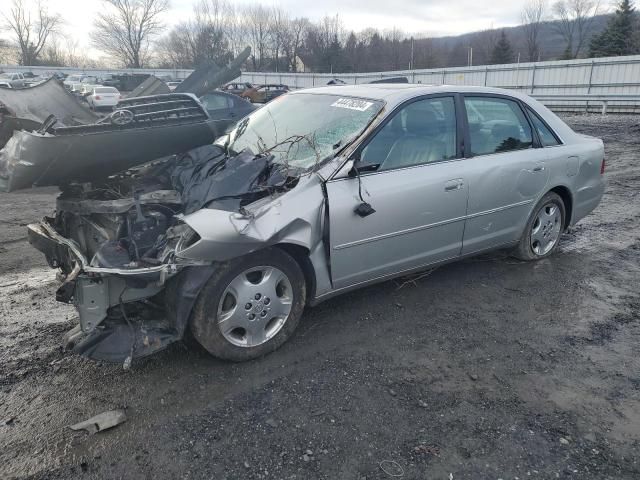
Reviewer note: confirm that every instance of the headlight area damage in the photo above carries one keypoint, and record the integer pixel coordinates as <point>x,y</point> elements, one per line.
<point>133,250</point>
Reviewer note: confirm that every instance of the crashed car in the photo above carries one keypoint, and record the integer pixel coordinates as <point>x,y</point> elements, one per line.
<point>319,192</point>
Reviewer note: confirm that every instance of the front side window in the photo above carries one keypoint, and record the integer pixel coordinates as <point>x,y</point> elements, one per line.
<point>421,132</point>
<point>304,129</point>
<point>496,125</point>
<point>547,138</point>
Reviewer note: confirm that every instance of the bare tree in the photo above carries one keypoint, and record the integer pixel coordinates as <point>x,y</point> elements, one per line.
<point>532,17</point>
<point>575,23</point>
<point>257,31</point>
<point>204,38</point>
<point>278,32</point>
<point>394,38</point>
<point>127,27</point>
<point>31,29</point>
<point>293,41</point>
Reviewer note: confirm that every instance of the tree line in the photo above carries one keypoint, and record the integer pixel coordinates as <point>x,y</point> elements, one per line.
<point>133,33</point>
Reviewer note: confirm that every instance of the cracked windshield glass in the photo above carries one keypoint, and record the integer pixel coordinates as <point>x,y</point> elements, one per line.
<point>304,129</point>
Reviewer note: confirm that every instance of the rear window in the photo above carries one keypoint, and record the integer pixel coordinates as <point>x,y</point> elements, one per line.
<point>106,90</point>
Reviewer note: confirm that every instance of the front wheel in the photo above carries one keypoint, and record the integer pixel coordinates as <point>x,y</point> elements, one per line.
<point>250,306</point>
<point>543,230</point>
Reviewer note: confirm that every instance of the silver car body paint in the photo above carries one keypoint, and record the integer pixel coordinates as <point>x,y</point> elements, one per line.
<point>425,214</point>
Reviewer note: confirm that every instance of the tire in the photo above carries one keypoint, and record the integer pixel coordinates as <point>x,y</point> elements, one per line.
<point>543,230</point>
<point>268,281</point>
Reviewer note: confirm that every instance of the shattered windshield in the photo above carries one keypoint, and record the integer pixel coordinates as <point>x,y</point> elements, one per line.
<point>302,130</point>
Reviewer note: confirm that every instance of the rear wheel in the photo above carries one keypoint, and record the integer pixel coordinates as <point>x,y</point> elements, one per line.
<point>543,230</point>
<point>250,306</point>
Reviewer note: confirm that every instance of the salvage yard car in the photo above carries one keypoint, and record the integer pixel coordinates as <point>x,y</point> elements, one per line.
<point>318,193</point>
<point>14,79</point>
<point>266,93</point>
<point>221,105</point>
<point>103,97</point>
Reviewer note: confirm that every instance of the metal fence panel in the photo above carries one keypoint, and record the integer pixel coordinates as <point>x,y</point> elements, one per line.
<point>598,76</point>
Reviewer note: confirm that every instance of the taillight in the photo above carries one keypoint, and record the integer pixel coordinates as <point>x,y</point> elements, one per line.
<point>97,97</point>
<point>602,166</point>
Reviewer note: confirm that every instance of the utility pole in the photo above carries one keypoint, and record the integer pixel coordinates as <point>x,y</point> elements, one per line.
<point>470,57</point>
<point>411,64</point>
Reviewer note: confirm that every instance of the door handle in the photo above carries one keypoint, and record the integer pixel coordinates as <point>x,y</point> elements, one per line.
<point>452,185</point>
<point>539,168</point>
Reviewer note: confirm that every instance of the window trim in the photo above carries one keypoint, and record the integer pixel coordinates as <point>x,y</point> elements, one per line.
<point>535,141</point>
<point>530,112</point>
<point>356,155</point>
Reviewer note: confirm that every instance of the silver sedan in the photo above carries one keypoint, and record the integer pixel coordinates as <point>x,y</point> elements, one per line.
<point>330,189</point>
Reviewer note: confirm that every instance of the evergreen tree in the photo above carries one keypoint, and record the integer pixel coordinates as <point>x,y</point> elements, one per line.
<point>502,52</point>
<point>618,38</point>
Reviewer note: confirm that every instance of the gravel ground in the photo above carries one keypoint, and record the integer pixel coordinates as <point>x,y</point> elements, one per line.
<point>488,368</point>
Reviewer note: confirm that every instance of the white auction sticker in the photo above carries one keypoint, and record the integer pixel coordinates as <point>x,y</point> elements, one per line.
<point>352,104</point>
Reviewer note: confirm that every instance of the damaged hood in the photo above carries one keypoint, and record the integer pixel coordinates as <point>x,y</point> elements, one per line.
<point>47,98</point>
<point>208,177</point>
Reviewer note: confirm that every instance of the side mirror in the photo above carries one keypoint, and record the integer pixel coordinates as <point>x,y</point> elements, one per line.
<point>223,140</point>
<point>359,168</point>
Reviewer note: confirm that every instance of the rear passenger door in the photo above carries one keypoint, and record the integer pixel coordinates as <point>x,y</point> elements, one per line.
<point>505,171</point>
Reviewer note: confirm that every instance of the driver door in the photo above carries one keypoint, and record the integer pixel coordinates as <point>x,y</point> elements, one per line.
<point>410,175</point>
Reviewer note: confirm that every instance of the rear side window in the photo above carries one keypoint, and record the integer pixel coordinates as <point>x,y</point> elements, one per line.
<point>215,102</point>
<point>496,125</point>
<point>547,137</point>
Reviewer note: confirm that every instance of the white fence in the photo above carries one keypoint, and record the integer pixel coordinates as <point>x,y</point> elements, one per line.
<point>563,85</point>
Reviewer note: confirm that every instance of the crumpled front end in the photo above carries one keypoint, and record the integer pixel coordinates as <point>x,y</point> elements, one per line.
<point>127,256</point>
<point>128,307</point>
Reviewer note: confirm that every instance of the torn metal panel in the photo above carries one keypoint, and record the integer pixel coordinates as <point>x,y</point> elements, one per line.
<point>138,329</point>
<point>227,234</point>
<point>207,177</point>
<point>151,86</point>
<point>48,98</point>
<point>102,421</point>
<point>210,76</point>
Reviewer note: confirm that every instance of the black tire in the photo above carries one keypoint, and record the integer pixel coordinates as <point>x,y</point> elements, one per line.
<point>524,250</point>
<point>204,325</point>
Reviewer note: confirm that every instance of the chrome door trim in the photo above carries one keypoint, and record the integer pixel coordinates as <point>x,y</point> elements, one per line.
<point>430,225</point>
<point>397,233</point>
<point>499,209</point>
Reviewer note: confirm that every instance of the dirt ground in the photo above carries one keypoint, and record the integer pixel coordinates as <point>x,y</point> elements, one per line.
<point>486,369</point>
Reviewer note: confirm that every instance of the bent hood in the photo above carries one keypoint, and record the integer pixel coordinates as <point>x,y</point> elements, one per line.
<point>48,98</point>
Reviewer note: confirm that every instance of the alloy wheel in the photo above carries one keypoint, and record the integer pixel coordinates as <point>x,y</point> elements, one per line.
<point>546,229</point>
<point>255,306</point>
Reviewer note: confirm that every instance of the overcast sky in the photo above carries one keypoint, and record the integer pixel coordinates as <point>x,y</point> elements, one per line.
<point>433,18</point>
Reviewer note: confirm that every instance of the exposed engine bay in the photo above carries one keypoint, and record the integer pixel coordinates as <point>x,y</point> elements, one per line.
<point>117,243</point>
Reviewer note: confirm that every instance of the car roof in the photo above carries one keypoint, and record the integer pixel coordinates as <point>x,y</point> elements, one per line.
<point>398,92</point>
